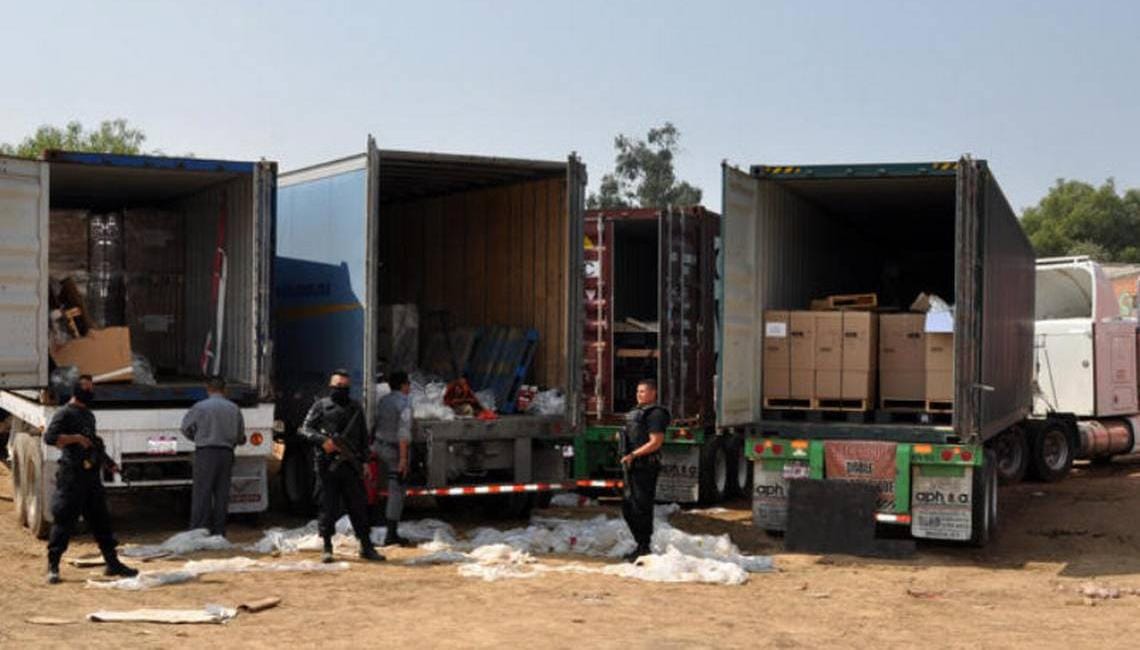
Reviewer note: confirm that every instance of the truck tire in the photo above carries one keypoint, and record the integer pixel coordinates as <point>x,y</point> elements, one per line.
<point>985,487</point>
<point>19,496</point>
<point>36,503</point>
<point>1012,451</point>
<point>297,479</point>
<point>739,469</point>
<point>1051,453</point>
<point>713,472</point>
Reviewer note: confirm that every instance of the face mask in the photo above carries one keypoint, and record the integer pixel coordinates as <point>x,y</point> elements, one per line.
<point>84,395</point>
<point>339,394</point>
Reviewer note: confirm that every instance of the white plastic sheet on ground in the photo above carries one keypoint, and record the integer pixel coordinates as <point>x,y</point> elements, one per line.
<point>307,537</point>
<point>571,500</point>
<point>193,569</point>
<point>183,543</point>
<point>209,614</point>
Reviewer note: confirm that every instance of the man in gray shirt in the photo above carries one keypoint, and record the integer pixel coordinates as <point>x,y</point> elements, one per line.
<point>215,425</point>
<point>392,443</point>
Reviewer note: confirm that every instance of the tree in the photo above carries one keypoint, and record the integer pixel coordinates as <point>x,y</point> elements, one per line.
<point>643,173</point>
<point>112,136</point>
<point>1076,218</point>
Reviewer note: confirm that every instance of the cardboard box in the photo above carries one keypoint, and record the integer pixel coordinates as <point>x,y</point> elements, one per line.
<point>802,339</point>
<point>902,357</point>
<point>845,385</point>
<point>777,346</point>
<point>802,384</point>
<point>829,340</point>
<point>860,340</point>
<point>67,242</point>
<point>105,354</point>
<point>777,382</point>
<point>939,367</point>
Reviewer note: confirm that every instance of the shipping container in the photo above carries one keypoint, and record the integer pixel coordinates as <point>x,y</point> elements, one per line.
<point>794,233</point>
<point>650,277</point>
<point>468,243</point>
<point>137,236</point>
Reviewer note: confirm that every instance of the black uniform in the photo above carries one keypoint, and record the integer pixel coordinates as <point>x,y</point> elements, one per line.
<point>339,477</point>
<point>641,490</point>
<point>79,485</point>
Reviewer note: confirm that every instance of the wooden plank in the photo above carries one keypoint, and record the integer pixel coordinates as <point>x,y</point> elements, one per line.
<point>541,268</point>
<point>498,253</point>
<point>456,261</point>
<point>526,249</point>
<point>514,223</point>
<point>555,240</point>
<point>476,272</point>
<point>434,257</point>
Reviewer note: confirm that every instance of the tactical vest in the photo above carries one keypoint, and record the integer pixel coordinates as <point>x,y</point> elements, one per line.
<point>636,431</point>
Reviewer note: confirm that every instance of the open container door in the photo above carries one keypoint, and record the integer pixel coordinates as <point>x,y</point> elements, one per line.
<point>994,289</point>
<point>265,207</point>
<point>371,275</point>
<point>575,311</point>
<point>23,273</point>
<point>738,396</point>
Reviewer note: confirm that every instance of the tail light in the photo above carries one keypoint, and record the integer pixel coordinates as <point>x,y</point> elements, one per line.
<point>967,455</point>
<point>256,439</point>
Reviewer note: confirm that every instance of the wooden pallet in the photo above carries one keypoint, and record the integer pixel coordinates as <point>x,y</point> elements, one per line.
<point>787,403</point>
<point>939,406</point>
<point>860,301</point>
<point>823,404</point>
<point>892,404</point>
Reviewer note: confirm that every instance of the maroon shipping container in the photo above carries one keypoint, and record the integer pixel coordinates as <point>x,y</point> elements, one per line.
<point>650,310</point>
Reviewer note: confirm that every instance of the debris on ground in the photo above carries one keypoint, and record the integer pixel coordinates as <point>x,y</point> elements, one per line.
<point>571,500</point>
<point>923,595</point>
<point>1101,592</point>
<point>183,543</point>
<point>49,620</point>
<point>307,537</point>
<point>193,569</point>
<point>209,614</point>
<point>259,605</point>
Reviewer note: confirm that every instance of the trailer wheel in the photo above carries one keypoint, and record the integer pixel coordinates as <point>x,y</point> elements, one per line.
<point>985,488</point>
<point>713,472</point>
<point>738,467</point>
<point>32,478</point>
<point>19,497</point>
<point>1051,455</point>
<point>1012,451</point>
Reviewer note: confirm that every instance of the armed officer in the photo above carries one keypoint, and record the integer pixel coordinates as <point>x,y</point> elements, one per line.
<point>393,441</point>
<point>79,482</point>
<point>335,426</point>
<point>643,435</point>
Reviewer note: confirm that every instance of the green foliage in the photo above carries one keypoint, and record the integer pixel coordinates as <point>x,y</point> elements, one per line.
<point>1076,218</point>
<point>112,136</point>
<point>643,173</point>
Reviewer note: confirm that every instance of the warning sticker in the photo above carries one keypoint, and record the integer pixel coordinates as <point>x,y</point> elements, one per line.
<point>776,330</point>
<point>942,506</point>
<point>864,461</point>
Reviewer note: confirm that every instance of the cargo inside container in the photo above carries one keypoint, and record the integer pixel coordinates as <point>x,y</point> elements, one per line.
<point>892,236</point>
<point>482,242</point>
<point>636,297</point>
<point>170,222</point>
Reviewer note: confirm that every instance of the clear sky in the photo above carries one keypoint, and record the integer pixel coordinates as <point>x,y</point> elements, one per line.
<point>1042,89</point>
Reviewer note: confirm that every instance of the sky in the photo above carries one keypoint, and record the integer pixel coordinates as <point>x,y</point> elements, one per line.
<point>1042,90</point>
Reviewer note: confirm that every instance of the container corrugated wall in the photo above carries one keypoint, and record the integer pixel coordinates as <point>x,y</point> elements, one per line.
<point>1006,355</point>
<point>202,211</point>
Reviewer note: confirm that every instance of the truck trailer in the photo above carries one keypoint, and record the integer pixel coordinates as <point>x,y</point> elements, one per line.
<point>650,293</point>
<point>54,216</point>
<point>383,255</point>
<point>794,233</point>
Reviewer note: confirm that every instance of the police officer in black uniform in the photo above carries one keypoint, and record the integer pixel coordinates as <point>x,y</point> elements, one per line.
<point>79,482</point>
<point>644,434</point>
<point>335,425</point>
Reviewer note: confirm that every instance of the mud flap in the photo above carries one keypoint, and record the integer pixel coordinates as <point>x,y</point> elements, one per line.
<point>679,480</point>
<point>827,516</point>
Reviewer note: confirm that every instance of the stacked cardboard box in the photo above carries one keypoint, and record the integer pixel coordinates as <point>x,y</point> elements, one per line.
<point>789,356</point>
<point>939,368</point>
<point>846,356</point>
<point>902,359</point>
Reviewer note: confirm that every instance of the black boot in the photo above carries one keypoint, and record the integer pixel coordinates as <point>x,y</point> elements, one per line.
<point>368,552</point>
<point>53,572</point>
<point>117,569</point>
<point>392,535</point>
<point>327,553</point>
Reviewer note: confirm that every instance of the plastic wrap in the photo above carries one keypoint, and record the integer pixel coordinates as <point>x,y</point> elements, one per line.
<point>548,402</point>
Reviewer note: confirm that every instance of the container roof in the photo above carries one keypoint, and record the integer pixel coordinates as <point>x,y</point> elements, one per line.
<point>406,175</point>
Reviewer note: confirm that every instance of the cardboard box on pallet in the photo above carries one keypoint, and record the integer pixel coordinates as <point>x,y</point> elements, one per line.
<point>939,367</point>
<point>846,355</point>
<point>902,357</point>
<point>802,353</point>
<point>777,356</point>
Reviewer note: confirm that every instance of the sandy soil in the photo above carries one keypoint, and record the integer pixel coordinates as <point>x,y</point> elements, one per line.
<point>1021,591</point>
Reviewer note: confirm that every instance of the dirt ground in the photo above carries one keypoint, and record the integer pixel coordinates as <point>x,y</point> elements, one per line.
<point>1021,591</point>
